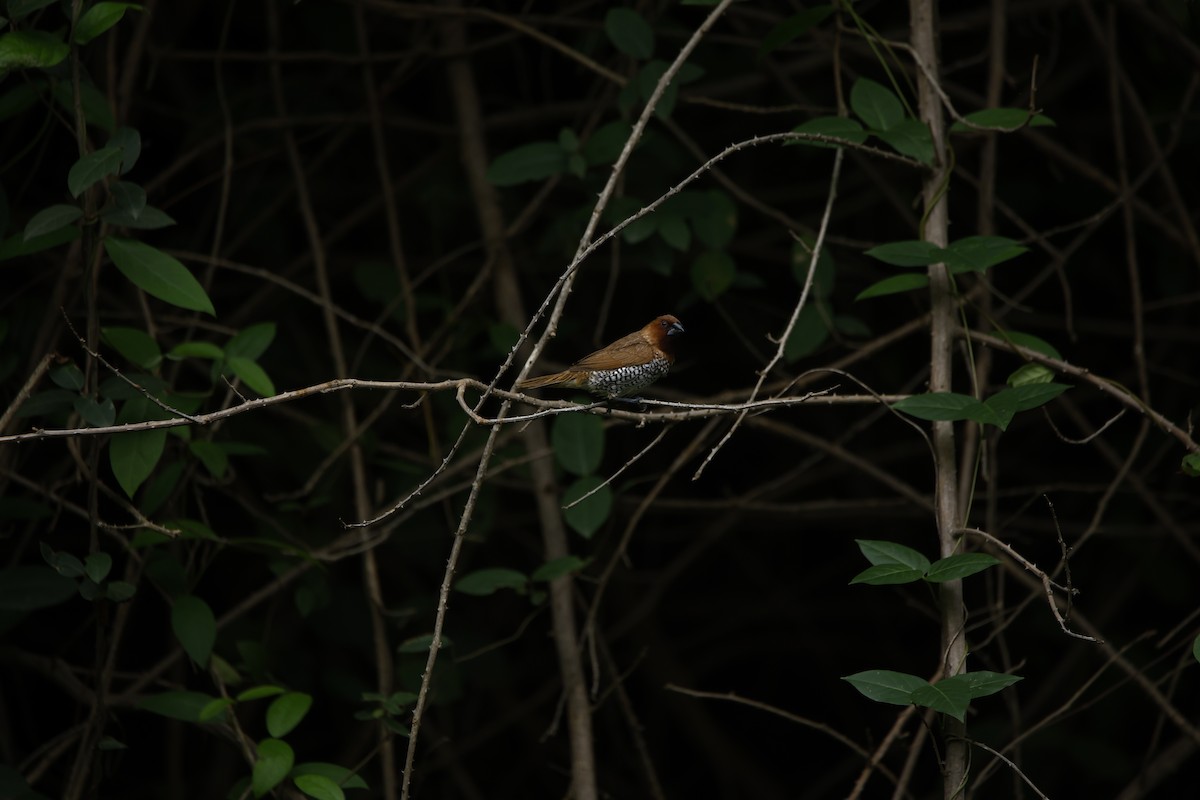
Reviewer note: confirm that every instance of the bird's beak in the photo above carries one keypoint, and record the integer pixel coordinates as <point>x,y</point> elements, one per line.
<point>675,329</point>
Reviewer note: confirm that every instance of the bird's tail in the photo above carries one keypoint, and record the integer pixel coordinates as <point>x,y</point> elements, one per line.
<point>565,378</point>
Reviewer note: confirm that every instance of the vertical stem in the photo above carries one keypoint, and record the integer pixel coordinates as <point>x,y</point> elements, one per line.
<point>923,21</point>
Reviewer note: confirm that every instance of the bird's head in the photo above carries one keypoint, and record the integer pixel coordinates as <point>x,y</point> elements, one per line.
<point>663,329</point>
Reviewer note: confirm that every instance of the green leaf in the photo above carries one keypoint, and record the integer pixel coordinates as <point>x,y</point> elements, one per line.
<point>484,582</point>
<point>1030,374</point>
<point>946,406</point>
<point>949,696</point>
<point>914,253</point>
<point>1196,648</point>
<point>675,232</point>
<point>1031,342</point>
<point>95,104</point>
<point>134,345</point>
<point>251,342</point>
<point>196,350</point>
<point>712,273</point>
<point>211,455</point>
<point>319,786</point>
<point>130,142</point>
<point>157,274</point>
<point>68,376</point>
<point>180,705</point>
<point>793,28</point>
<point>99,18</point>
<point>887,575</point>
<point>714,219</point>
<point>586,517</point>
<point>286,712</point>
<point>32,587</point>
<point>558,567</point>
<point>885,686</point>
<point>605,144</point>
<point>62,562</point>
<point>15,246</point>
<point>275,759</point>
<point>531,162</point>
<point>259,692</point>
<point>807,335</point>
<point>880,552</point>
<point>1191,465</point>
<point>1025,398</point>
<point>252,375</point>
<point>92,168</point>
<point>338,774</point>
<point>1006,119</point>
<point>959,566</point>
<point>215,709</point>
<point>876,105</point>
<point>911,138</point>
<point>129,197</point>
<point>629,32</point>
<point>97,566</point>
<point>834,127</point>
<point>578,442</point>
<point>49,220</point>
<point>977,253</point>
<point>31,50</point>
<point>133,455</point>
<point>647,80</point>
<point>148,219</point>
<point>195,627</point>
<point>983,682</point>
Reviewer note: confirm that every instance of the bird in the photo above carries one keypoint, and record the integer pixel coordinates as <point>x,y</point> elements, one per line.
<point>628,365</point>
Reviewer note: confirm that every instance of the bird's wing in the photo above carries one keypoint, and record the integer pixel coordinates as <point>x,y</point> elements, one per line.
<point>629,350</point>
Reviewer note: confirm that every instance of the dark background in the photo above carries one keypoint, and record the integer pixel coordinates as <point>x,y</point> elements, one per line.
<point>736,582</point>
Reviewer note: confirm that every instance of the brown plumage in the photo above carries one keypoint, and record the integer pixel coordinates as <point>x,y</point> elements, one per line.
<point>629,364</point>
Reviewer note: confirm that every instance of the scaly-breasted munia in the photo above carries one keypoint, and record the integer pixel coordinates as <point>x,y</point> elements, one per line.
<point>629,364</point>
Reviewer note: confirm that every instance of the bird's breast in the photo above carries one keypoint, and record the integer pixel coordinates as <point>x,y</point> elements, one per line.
<point>626,379</point>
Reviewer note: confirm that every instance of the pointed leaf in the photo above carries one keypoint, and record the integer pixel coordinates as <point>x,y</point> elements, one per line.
<point>958,566</point>
<point>338,774</point>
<point>130,142</point>
<point>259,692</point>
<point>946,406</point>
<point>984,683</point>
<point>808,334</point>
<point>949,696</point>
<point>251,342</point>
<point>1191,465</point>
<point>1004,119</point>
<point>49,220</point>
<point>1030,374</point>
<point>99,18</point>
<point>833,127</point>
<point>914,253</point>
<point>880,552</point>
<point>977,253</point>
<point>251,374</point>
<point>148,219</point>
<point>887,575</point>
<point>129,197</point>
<point>157,274</point>
<point>93,167</point>
<point>885,686</point>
